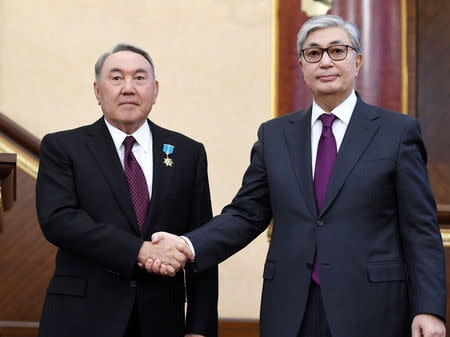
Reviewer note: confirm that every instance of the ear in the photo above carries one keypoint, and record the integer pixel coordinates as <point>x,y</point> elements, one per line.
<point>97,92</point>
<point>155,91</point>
<point>300,64</point>
<point>359,60</point>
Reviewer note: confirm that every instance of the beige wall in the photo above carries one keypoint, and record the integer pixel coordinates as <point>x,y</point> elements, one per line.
<point>212,60</point>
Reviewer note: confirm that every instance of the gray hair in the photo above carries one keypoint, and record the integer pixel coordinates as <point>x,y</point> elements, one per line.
<point>118,48</point>
<point>325,21</point>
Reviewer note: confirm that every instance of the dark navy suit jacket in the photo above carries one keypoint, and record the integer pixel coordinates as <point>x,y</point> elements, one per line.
<point>84,207</point>
<point>380,252</point>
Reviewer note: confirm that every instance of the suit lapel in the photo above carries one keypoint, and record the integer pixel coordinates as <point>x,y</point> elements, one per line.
<point>360,131</point>
<point>162,175</point>
<point>298,140</point>
<point>104,152</point>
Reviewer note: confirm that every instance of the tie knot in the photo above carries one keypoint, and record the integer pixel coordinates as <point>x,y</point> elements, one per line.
<point>327,119</point>
<point>129,142</point>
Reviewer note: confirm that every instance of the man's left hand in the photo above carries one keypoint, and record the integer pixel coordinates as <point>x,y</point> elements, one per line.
<point>425,325</point>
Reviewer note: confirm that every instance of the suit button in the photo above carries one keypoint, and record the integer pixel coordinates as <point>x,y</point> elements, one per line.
<point>319,223</point>
<point>308,265</point>
<point>133,284</point>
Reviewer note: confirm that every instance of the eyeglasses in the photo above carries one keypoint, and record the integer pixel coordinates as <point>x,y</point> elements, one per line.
<point>336,53</point>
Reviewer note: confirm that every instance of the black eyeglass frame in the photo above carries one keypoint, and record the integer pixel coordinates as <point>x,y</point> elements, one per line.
<point>326,50</point>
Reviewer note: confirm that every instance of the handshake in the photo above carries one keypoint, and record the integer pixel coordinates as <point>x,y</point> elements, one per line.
<point>165,254</point>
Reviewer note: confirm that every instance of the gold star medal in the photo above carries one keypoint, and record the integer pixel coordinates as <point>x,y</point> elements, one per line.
<point>168,150</point>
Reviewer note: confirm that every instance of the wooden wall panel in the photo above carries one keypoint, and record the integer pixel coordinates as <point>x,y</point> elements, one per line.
<point>227,328</point>
<point>433,87</point>
<point>18,332</point>
<point>26,258</point>
<point>447,259</point>
<point>238,328</point>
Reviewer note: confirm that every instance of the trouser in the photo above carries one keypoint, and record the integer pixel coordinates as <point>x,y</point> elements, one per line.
<point>133,329</point>
<point>314,322</point>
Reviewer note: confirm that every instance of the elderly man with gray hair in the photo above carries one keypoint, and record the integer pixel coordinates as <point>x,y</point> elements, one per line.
<point>356,250</point>
<point>102,190</point>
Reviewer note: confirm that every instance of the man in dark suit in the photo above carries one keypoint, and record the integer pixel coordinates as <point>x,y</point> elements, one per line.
<point>356,250</point>
<point>102,190</point>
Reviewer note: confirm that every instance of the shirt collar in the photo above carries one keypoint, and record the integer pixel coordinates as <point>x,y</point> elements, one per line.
<point>142,135</point>
<point>343,111</point>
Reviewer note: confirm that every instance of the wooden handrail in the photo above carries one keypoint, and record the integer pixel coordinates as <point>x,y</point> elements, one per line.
<point>19,135</point>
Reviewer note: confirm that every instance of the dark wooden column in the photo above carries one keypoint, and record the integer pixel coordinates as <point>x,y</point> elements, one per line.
<point>379,23</point>
<point>291,91</point>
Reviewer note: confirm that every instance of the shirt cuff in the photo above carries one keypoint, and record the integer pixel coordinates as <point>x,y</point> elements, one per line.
<point>191,247</point>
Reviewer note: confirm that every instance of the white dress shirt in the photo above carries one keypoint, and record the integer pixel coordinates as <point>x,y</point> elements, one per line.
<point>343,112</point>
<point>142,149</point>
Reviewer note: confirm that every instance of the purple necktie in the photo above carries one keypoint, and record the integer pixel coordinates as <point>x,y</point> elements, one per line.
<point>136,183</point>
<point>326,156</point>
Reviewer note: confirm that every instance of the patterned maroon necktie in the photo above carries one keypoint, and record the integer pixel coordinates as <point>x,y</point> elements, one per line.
<point>136,183</point>
<point>326,156</point>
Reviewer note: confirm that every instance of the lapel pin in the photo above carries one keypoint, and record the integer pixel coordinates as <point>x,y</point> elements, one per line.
<point>168,150</point>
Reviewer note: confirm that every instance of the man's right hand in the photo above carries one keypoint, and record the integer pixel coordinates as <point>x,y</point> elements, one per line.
<point>165,254</point>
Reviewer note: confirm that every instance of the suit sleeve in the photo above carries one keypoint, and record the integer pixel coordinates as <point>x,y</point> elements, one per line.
<point>247,216</point>
<point>421,238</point>
<point>201,288</point>
<point>68,226</point>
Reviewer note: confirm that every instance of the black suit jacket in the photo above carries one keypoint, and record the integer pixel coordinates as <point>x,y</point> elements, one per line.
<point>380,252</point>
<point>84,207</point>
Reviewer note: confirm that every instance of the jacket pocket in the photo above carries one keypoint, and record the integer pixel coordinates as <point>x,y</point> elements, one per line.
<point>269,270</point>
<point>67,285</point>
<point>386,271</point>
